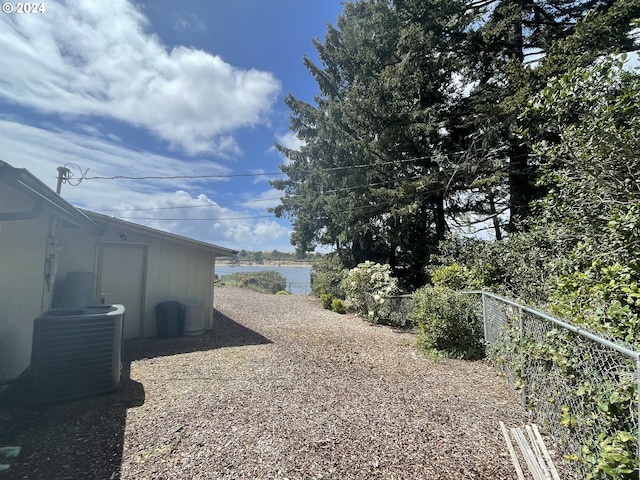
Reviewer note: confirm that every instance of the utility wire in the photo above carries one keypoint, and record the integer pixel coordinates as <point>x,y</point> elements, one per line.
<point>179,177</point>
<point>196,219</point>
<point>84,175</point>
<point>180,207</point>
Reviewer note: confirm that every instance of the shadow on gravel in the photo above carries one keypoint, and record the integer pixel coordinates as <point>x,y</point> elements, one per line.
<point>69,440</point>
<point>226,332</point>
<point>83,438</point>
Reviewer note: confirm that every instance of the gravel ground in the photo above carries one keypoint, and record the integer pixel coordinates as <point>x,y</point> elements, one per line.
<point>282,389</point>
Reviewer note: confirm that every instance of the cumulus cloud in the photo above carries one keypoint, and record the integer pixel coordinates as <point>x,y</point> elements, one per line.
<point>97,59</point>
<point>181,206</point>
<point>42,151</point>
<point>266,199</point>
<point>263,235</point>
<point>289,140</point>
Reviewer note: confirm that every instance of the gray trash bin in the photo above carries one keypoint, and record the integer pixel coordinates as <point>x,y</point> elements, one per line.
<point>170,319</point>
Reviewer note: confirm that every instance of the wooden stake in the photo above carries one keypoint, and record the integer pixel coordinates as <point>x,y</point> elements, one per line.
<point>512,452</point>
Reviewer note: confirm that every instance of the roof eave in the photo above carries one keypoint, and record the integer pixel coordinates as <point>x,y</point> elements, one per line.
<point>215,249</point>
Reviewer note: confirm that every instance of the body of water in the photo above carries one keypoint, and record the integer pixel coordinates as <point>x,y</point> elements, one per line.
<point>298,280</point>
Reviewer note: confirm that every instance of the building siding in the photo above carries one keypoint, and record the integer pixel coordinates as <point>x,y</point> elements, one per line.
<point>22,284</point>
<point>174,271</point>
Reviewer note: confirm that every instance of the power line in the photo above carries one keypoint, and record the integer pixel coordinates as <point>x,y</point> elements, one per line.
<point>182,177</point>
<point>84,175</point>
<point>184,207</point>
<point>196,219</point>
<point>179,207</point>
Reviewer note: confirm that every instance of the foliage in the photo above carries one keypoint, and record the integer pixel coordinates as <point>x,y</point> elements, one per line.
<point>586,393</point>
<point>369,178</point>
<point>326,299</point>
<point>330,303</point>
<point>417,125</point>
<point>522,265</point>
<point>327,273</point>
<point>618,457</point>
<point>265,282</point>
<point>594,189</point>
<point>581,253</point>
<point>393,310</point>
<point>604,298</point>
<point>338,306</point>
<point>275,256</point>
<point>448,322</point>
<point>455,277</point>
<point>373,279</point>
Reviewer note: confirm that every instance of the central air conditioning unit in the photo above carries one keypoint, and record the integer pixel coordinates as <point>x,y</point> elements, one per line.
<point>76,352</point>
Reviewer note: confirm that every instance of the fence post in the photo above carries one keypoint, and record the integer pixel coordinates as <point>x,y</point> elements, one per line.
<point>638,407</point>
<point>484,318</point>
<point>523,395</point>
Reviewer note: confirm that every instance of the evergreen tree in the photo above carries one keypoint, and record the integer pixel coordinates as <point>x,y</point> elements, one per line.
<point>371,176</point>
<point>514,48</point>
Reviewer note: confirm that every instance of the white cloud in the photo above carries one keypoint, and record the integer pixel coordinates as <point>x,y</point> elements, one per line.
<point>97,59</point>
<point>264,235</point>
<point>150,202</point>
<point>42,151</point>
<point>267,199</point>
<point>188,22</point>
<point>289,140</point>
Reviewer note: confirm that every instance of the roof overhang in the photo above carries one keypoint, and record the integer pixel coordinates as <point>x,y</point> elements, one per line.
<point>171,237</point>
<point>24,182</point>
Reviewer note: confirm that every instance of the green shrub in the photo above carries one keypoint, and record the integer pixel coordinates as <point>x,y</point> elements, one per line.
<point>326,299</point>
<point>448,322</point>
<point>327,274</point>
<point>454,276</point>
<point>338,306</point>
<point>373,279</point>
<point>264,282</point>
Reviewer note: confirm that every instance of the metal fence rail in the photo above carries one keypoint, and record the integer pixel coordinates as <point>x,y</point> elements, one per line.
<point>581,388</point>
<point>393,310</point>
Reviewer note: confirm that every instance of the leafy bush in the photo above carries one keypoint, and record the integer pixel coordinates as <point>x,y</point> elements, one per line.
<point>264,282</point>
<point>392,310</point>
<point>338,306</point>
<point>605,298</point>
<point>448,322</point>
<point>454,276</point>
<point>326,299</point>
<point>520,266</point>
<point>327,274</point>
<point>369,278</point>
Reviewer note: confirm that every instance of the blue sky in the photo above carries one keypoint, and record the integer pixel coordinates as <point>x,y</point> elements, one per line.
<point>161,88</point>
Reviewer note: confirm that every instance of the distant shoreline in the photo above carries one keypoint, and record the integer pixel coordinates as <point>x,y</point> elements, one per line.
<point>266,263</point>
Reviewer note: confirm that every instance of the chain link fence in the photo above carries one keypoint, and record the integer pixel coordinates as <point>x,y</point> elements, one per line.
<point>393,310</point>
<point>581,388</point>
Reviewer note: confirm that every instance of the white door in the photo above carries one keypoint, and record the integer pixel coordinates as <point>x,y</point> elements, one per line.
<point>121,278</point>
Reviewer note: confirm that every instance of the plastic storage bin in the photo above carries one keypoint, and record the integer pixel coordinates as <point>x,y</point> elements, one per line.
<point>170,319</point>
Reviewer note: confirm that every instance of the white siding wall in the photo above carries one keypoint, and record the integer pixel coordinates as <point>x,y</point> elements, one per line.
<point>175,271</point>
<point>178,272</point>
<point>22,258</point>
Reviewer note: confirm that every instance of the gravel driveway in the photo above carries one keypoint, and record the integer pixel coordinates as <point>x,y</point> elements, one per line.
<point>281,390</point>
